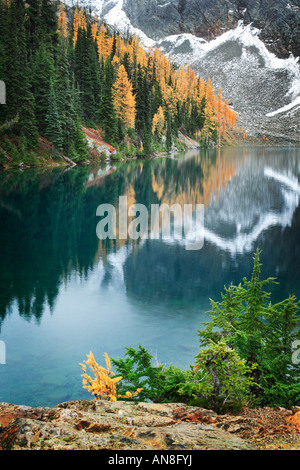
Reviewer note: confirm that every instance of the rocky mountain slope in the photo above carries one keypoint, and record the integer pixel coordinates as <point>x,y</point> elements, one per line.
<point>262,88</point>
<point>248,48</point>
<point>279,20</point>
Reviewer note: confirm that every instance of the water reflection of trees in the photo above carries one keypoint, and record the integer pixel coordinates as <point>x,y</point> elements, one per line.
<point>45,232</point>
<point>160,273</point>
<point>48,221</point>
<point>48,232</point>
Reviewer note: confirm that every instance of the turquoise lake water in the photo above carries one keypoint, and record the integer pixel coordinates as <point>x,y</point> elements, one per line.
<point>64,292</point>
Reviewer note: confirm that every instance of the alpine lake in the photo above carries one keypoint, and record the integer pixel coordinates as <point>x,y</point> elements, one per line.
<point>65,292</point>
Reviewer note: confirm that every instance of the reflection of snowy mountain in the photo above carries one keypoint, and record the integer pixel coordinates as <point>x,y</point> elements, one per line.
<point>258,197</point>
<point>250,205</point>
<point>258,203</point>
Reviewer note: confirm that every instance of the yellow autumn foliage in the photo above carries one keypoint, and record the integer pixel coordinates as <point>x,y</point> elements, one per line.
<point>79,22</point>
<point>158,121</point>
<point>62,24</point>
<point>104,384</point>
<point>124,99</point>
<point>179,88</point>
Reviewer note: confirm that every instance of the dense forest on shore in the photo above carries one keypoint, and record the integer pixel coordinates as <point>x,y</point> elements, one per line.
<point>65,71</point>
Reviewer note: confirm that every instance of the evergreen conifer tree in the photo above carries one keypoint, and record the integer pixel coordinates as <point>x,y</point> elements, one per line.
<point>4,33</point>
<point>107,114</point>
<point>54,130</point>
<point>48,23</point>
<point>169,140</point>
<point>262,333</point>
<point>65,95</point>
<point>18,74</point>
<point>43,73</point>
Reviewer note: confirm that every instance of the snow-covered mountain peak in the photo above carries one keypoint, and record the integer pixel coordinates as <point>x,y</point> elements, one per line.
<point>117,18</point>
<point>246,36</point>
<point>113,14</point>
<point>263,88</point>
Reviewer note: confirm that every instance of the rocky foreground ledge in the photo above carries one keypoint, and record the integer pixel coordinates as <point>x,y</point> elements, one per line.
<point>102,425</point>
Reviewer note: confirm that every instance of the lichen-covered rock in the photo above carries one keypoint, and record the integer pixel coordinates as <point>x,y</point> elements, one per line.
<point>120,425</point>
<point>99,425</point>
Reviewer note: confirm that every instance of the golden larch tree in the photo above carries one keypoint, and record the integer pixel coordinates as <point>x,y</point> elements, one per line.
<point>124,99</point>
<point>104,43</point>
<point>158,122</point>
<point>78,22</point>
<point>94,29</point>
<point>62,25</point>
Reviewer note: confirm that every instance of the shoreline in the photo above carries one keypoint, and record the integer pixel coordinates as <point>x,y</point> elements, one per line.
<point>123,158</point>
<point>101,152</point>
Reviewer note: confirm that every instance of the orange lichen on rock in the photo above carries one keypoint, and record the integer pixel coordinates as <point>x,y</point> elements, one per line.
<point>294,421</point>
